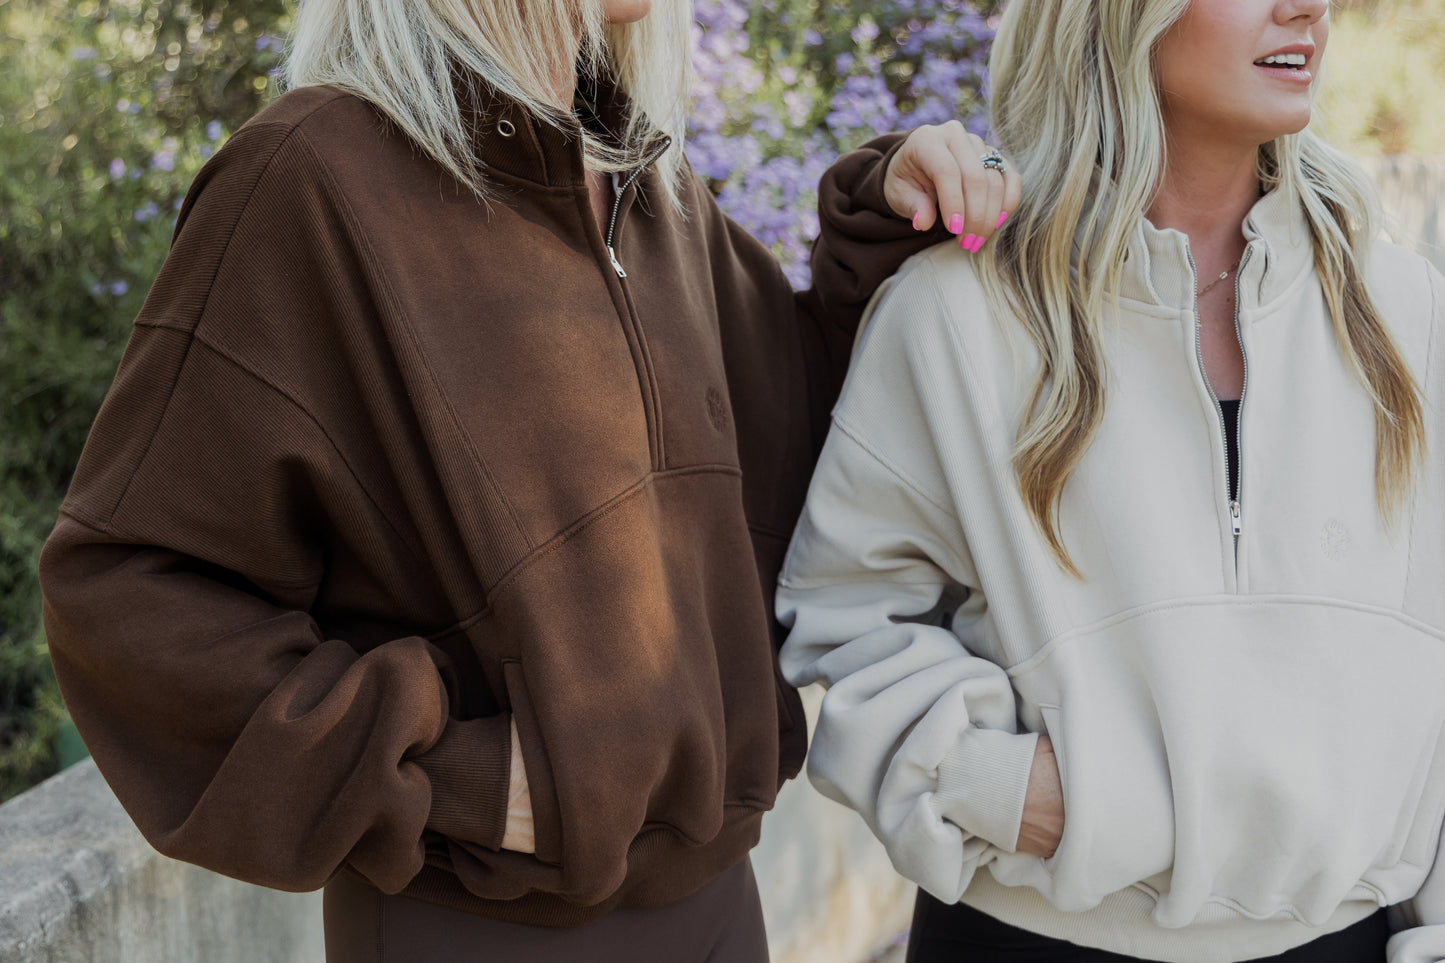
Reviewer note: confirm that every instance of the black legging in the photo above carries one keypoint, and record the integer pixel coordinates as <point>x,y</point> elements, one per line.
<point>943,933</point>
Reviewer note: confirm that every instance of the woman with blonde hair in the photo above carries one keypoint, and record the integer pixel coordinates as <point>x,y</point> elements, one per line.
<point>1124,560</point>
<point>424,546</point>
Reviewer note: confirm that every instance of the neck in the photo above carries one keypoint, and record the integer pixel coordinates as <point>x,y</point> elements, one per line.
<point>561,88</point>
<point>1208,189</point>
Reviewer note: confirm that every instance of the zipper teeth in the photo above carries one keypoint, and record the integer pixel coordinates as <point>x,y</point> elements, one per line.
<point>1243,387</point>
<point>636,173</point>
<point>1199,347</point>
<point>1218,408</point>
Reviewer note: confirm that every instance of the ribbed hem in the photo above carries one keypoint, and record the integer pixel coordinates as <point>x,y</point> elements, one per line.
<point>1123,923</point>
<point>661,867</point>
<point>982,783</point>
<point>470,768</point>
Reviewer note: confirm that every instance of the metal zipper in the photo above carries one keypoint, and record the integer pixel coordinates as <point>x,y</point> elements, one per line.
<point>1236,520</point>
<point>647,162</point>
<point>1239,414</point>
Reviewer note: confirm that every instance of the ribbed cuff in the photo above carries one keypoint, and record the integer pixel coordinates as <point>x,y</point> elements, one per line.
<point>850,196</point>
<point>469,768</point>
<point>982,783</point>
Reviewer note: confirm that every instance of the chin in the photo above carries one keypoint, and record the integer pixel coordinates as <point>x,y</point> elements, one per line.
<point>1290,125</point>
<point>1277,123</point>
<point>625,11</point>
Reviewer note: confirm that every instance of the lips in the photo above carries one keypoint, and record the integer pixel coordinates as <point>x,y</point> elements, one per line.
<point>1289,64</point>
<point>1290,61</point>
<point>1290,57</point>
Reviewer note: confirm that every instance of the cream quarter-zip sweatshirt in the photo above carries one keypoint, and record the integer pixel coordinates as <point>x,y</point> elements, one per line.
<point>1248,725</point>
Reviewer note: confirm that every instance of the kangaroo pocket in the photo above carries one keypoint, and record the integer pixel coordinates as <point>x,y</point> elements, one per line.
<point>1278,757</point>
<point>642,680</point>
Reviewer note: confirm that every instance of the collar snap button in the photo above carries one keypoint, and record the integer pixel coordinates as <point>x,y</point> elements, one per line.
<point>506,128</point>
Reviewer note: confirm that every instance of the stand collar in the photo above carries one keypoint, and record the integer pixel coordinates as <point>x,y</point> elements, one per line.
<point>1278,247</point>
<point>509,139</point>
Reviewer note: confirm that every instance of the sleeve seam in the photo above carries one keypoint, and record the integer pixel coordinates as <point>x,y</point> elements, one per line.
<point>841,422</point>
<point>205,304</point>
<point>281,392</point>
<point>121,533</point>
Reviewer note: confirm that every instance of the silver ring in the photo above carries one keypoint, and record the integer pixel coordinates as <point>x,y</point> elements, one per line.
<point>505,128</point>
<point>993,160</point>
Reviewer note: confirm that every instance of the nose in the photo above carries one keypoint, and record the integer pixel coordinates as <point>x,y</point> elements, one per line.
<point>1301,11</point>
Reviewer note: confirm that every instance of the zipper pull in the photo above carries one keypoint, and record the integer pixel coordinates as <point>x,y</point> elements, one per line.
<point>616,264</point>
<point>1234,518</point>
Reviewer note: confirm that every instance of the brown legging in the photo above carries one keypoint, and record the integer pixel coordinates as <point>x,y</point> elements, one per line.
<point>720,923</point>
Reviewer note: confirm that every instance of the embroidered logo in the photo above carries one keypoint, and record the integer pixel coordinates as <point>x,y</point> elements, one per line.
<point>717,409</point>
<point>1334,540</point>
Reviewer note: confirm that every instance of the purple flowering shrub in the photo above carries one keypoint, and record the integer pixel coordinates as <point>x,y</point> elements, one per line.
<point>785,86</point>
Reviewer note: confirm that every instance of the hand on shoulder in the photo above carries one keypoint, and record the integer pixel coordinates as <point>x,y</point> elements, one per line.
<point>939,173</point>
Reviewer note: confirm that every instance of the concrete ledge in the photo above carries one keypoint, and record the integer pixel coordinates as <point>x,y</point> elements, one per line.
<point>78,884</point>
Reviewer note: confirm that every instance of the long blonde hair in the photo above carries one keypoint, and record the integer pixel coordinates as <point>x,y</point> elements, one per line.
<point>1075,104</point>
<point>408,58</point>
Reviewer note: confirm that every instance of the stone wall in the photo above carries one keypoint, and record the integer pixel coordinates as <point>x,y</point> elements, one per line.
<point>78,884</point>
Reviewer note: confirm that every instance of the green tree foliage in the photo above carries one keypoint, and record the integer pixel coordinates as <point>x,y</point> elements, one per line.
<point>107,110</point>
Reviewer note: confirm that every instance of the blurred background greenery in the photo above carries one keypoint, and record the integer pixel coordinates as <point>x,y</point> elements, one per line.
<point>107,110</point>
<point>1384,77</point>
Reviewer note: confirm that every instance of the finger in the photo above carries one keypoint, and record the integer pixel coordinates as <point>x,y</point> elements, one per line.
<point>920,205</point>
<point>993,212</point>
<point>1013,187</point>
<point>981,219</point>
<point>934,170</point>
<point>905,197</point>
<point>995,200</point>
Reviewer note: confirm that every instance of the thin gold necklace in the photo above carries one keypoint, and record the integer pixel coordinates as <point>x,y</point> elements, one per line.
<point>1210,287</point>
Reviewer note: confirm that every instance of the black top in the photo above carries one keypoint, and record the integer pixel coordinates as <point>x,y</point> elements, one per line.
<point>1231,447</point>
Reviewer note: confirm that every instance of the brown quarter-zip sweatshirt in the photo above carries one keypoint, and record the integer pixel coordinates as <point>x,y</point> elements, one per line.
<point>384,468</point>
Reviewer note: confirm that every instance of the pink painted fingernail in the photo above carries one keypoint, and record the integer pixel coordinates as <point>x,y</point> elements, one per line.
<point>916,216</point>
<point>955,224</point>
<point>966,242</point>
<point>1003,216</point>
<point>978,244</point>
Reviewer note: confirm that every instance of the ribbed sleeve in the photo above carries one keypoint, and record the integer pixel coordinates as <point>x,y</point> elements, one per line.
<point>468,801</point>
<point>918,729</point>
<point>982,783</point>
<point>916,732</point>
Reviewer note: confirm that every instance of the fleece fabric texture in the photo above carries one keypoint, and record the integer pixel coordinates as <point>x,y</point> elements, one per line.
<point>1248,728</point>
<point>385,468</point>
